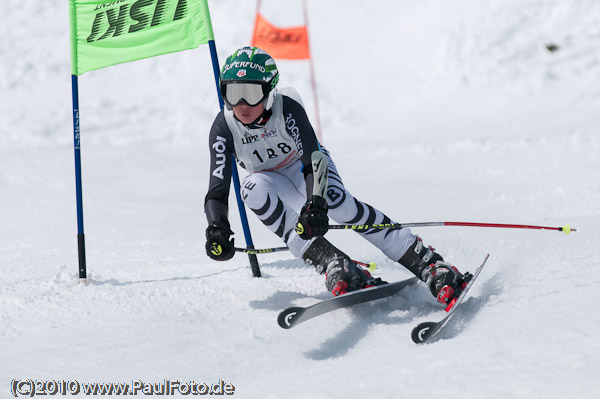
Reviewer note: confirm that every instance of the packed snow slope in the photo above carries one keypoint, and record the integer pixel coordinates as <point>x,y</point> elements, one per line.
<point>434,111</point>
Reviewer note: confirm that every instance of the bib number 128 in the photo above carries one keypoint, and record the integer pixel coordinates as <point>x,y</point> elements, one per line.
<point>271,153</point>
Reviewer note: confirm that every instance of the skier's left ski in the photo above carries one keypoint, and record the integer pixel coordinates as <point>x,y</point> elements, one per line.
<point>293,316</point>
<point>427,330</point>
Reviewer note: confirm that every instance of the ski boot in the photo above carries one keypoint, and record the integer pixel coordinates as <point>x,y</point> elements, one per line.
<point>342,274</point>
<point>444,280</point>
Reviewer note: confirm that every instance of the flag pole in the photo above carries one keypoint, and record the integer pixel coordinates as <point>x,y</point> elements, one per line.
<point>235,176</point>
<point>78,185</point>
<point>313,79</point>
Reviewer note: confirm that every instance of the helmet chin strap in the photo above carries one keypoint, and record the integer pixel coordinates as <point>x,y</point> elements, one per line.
<point>263,118</point>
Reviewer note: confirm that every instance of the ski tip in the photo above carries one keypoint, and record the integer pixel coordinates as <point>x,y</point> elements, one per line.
<point>288,318</point>
<point>422,332</point>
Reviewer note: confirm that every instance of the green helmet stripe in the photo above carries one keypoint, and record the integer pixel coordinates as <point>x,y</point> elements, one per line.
<point>250,64</point>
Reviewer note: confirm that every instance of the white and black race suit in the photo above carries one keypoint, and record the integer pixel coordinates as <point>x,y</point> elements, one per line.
<point>276,154</point>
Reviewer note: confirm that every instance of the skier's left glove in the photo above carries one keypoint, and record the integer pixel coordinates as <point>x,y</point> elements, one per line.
<point>313,220</point>
<point>219,246</point>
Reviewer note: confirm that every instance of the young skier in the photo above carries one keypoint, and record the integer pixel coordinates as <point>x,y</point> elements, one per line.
<point>268,132</point>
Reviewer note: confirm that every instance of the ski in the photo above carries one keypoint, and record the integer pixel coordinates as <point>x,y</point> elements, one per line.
<point>295,315</point>
<point>427,330</point>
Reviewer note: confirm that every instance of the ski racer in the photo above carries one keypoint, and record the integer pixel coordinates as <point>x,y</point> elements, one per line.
<point>269,133</point>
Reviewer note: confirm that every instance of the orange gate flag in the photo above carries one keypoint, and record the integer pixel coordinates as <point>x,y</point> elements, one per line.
<point>282,43</point>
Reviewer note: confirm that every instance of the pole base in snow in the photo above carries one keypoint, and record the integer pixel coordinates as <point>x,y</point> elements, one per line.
<point>254,265</point>
<point>81,254</point>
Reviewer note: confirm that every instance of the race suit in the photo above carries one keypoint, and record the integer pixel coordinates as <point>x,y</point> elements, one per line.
<point>277,155</point>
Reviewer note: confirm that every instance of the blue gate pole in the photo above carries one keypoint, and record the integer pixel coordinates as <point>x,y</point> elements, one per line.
<point>78,190</point>
<point>235,176</point>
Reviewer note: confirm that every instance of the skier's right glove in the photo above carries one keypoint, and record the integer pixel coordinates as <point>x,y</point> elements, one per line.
<point>313,220</point>
<point>219,246</point>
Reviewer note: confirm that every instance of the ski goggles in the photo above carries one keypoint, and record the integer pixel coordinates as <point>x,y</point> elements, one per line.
<point>252,94</point>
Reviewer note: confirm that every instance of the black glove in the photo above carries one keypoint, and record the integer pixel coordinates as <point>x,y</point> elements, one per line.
<point>218,244</point>
<point>313,220</point>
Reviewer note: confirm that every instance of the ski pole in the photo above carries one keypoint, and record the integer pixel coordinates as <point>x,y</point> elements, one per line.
<point>253,251</point>
<point>565,229</point>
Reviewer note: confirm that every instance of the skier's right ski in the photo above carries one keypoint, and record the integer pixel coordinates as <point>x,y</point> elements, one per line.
<point>293,316</point>
<point>427,330</point>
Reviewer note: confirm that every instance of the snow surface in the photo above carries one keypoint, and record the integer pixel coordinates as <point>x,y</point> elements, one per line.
<point>434,110</point>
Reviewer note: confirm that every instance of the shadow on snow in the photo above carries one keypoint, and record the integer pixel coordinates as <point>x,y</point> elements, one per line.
<point>413,303</point>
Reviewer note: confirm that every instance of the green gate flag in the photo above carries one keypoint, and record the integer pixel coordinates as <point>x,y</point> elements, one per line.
<point>105,33</point>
